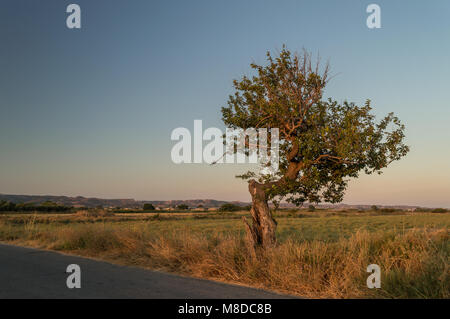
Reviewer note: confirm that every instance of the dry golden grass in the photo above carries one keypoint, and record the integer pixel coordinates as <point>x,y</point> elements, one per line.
<point>414,261</point>
<point>94,213</point>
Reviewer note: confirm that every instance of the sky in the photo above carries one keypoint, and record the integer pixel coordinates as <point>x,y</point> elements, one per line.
<point>90,111</point>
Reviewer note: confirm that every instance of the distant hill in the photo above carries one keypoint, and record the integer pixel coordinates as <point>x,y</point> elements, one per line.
<point>193,203</point>
<point>81,201</point>
<point>78,201</point>
<point>90,202</point>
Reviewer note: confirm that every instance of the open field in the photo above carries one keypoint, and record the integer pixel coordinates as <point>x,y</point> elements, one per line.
<point>320,254</point>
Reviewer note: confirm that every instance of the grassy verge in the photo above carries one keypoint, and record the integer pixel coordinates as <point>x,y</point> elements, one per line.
<point>323,256</point>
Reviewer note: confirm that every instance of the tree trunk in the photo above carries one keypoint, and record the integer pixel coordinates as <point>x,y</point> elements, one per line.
<point>261,233</point>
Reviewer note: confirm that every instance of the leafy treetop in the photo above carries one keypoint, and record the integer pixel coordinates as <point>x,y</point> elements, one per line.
<point>322,142</point>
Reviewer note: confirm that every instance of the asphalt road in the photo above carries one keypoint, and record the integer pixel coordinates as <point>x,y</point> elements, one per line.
<point>33,273</point>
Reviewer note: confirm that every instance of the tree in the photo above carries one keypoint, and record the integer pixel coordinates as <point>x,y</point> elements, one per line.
<point>49,203</point>
<point>229,207</point>
<point>148,207</point>
<point>183,207</point>
<point>322,143</point>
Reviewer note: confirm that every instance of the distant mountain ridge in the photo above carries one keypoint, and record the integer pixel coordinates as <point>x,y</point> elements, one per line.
<point>90,202</point>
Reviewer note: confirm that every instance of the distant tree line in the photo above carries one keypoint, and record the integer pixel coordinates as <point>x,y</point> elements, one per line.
<point>6,206</point>
<point>431,210</point>
<point>228,207</point>
<point>417,209</point>
<point>148,207</point>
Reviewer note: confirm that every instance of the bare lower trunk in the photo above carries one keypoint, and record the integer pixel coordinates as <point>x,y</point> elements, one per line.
<point>261,233</point>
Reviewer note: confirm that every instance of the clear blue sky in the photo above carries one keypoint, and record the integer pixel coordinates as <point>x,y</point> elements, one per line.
<point>89,112</point>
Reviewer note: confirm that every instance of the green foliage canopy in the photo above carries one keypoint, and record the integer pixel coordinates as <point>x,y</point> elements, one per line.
<point>148,206</point>
<point>229,207</point>
<point>323,143</point>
